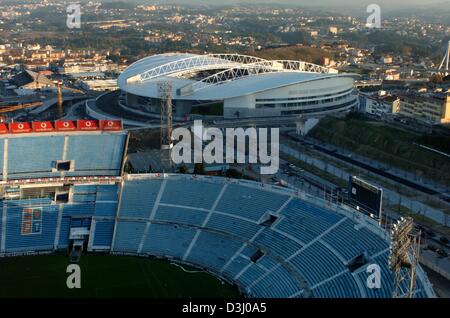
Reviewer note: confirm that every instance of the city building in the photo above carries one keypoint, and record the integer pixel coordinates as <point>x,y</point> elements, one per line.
<point>333,30</point>
<point>31,80</point>
<point>100,85</point>
<point>379,104</point>
<point>431,109</point>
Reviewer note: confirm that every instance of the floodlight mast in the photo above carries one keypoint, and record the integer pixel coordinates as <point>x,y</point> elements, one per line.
<point>165,95</point>
<point>404,256</point>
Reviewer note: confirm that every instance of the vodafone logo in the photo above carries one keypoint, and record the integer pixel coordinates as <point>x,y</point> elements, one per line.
<point>44,125</point>
<point>88,124</point>
<point>64,125</point>
<point>20,128</point>
<point>111,125</point>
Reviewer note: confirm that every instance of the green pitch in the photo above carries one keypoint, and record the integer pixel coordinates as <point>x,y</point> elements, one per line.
<point>104,276</point>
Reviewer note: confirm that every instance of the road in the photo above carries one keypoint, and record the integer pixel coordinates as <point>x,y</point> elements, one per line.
<point>402,177</point>
<point>392,197</point>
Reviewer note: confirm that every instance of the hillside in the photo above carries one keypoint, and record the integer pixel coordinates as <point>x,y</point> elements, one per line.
<point>307,54</point>
<point>387,144</point>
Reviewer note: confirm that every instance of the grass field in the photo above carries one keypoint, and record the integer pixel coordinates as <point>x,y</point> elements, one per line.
<point>105,276</point>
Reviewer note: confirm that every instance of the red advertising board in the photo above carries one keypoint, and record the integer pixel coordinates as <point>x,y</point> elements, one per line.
<point>19,128</point>
<point>65,125</point>
<point>111,124</point>
<point>3,128</point>
<point>43,126</point>
<point>88,125</point>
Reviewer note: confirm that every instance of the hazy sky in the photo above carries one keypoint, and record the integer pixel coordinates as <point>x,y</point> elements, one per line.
<point>354,7</point>
<point>393,4</point>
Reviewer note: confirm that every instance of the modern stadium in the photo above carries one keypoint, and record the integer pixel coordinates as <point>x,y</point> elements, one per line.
<point>239,86</point>
<point>64,188</point>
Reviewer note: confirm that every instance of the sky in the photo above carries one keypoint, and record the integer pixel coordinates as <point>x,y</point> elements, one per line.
<point>388,4</point>
<point>351,7</point>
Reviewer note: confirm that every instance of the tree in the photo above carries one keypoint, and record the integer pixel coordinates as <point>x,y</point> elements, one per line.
<point>233,174</point>
<point>183,169</point>
<point>199,168</point>
<point>129,167</point>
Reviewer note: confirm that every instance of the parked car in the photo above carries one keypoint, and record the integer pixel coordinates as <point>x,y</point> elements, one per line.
<point>441,253</point>
<point>443,240</point>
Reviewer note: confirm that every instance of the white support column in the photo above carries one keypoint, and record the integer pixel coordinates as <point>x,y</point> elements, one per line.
<point>5,159</point>
<point>58,226</point>
<point>300,127</point>
<point>3,237</point>
<point>91,235</point>
<point>64,154</point>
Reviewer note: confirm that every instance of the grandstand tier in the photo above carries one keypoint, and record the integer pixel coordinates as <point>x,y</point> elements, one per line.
<point>97,150</point>
<point>215,224</point>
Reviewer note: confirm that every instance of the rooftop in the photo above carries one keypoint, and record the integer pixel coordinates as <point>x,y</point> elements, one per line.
<point>197,77</point>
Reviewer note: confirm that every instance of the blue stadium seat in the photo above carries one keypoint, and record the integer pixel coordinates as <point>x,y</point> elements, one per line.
<point>351,242</point>
<point>343,286</point>
<point>168,240</point>
<point>40,154</point>
<point>235,267</point>
<point>279,283</point>
<point>96,154</point>
<point>224,244</point>
<point>138,198</point>
<point>180,215</point>
<point>316,263</point>
<point>306,221</point>
<point>128,236</point>
<point>213,250</point>
<point>103,233</point>
<point>277,243</point>
<point>249,202</point>
<point>232,225</point>
<point>25,233</point>
<point>199,194</point>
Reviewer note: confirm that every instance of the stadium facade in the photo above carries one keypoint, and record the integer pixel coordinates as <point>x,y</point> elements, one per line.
<point>59,186</point>
<point>240,86</point>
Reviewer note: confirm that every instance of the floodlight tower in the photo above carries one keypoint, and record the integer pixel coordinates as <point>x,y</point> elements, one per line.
<point>165,95</point>
<point>445,61</point>
<point>404,257</point>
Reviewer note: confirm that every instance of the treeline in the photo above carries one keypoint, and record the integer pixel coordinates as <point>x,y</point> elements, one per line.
<point>307,54</point>
<point>391,42</point>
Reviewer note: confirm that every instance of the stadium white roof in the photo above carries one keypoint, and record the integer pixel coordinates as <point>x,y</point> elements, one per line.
<point>235,75</point>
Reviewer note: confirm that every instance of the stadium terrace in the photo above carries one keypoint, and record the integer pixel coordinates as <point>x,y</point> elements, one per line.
<point>71,194</point>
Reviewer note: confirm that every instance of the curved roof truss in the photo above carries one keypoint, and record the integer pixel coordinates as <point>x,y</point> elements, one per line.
<point>261,67</point>
<point>229,75</point>
<point>300,66</point>
<point>198,63</point>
